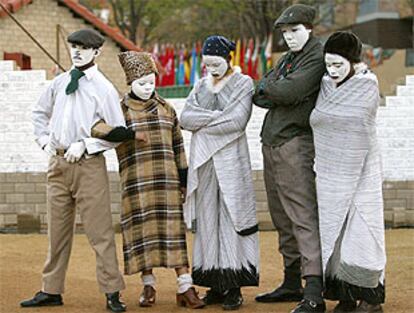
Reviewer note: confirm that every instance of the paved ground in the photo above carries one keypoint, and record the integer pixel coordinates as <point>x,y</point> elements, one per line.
<point>22,258</point>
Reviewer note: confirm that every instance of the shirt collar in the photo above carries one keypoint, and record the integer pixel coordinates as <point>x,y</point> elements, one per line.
<point>90,72</point>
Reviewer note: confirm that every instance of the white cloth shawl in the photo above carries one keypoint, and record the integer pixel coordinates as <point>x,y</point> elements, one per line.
<point>219,135</point>
<point>349,179</point>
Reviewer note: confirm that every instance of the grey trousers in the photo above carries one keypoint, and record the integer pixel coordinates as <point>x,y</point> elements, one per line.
<point>291,194</point>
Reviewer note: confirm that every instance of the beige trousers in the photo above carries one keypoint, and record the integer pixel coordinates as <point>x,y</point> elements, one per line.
<point>291,194</point>
<point>83,185</point>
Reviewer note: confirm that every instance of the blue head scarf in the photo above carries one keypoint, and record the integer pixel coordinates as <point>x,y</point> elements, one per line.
<point>218,46</point>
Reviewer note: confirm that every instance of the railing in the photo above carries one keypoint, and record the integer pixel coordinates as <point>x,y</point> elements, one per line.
<point>174,91</point>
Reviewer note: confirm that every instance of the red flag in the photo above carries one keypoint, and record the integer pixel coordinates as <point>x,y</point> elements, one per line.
<point>163,62</point>
<point>255,60</point>
<point>249,55</point>
<point>242,52</point>
<point>171,64</point>
<point>168,64</point>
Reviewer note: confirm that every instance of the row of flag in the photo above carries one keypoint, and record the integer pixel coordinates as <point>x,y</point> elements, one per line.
<point>375,56</point>
<point>183,65</point>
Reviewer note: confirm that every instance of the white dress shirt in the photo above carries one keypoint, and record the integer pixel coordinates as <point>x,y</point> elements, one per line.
<point>61,119</point>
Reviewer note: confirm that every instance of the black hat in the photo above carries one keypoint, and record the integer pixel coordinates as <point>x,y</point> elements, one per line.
<point>296,14</point>
<point>88,38</point>
<point>218,45</point>
<point>345,44</point>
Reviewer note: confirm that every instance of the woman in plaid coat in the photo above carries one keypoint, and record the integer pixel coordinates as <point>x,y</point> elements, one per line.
<point>153,171</point>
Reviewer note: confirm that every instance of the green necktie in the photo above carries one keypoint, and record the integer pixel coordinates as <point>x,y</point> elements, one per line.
<point>75,74</point>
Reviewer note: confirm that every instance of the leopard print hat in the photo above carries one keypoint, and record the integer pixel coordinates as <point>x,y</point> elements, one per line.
<point>136,65</point>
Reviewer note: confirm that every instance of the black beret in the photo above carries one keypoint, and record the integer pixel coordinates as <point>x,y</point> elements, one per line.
<point>296,14</point>
<point>88,38</point>
<point>345,44</point>
<point>218,45</point>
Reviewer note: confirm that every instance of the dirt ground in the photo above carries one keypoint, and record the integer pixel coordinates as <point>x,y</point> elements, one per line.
<point>22,258</point>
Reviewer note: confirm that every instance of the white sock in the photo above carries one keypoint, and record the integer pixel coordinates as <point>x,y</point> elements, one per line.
<point>148,280</point>
<point>184,282</point>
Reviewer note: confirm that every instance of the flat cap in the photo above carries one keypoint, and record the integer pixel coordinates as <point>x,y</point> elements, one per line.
<point>296,14</point>
<point>136,65</point>
<point>88,38</point>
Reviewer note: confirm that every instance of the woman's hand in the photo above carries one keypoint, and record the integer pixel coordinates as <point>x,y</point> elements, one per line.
<point>141,136</point>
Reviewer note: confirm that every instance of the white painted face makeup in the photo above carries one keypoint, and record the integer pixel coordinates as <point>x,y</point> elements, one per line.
<point>215,65</point>
<point>81,56</point>
<point>144,87</point>
<point>337,66</point>
<point>296,36</point>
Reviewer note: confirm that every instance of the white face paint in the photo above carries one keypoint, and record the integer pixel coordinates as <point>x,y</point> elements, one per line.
<point>337,66</point>
<point>296,36</point>
<point>215,65</point>
<point>81,56</point>
<point>144,87</point>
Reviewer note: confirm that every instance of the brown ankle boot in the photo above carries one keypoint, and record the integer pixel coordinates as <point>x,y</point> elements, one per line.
<point>147,298</point>
<point>190,299</point>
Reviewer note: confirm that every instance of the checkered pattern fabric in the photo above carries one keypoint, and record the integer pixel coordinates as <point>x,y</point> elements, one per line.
<point>152,217</point>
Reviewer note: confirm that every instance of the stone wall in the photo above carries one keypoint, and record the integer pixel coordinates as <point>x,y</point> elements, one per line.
<point>41,19</point>
<point>23,164</point>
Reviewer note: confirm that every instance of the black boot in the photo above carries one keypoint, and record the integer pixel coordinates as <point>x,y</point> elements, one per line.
<point>113,303</point>
<point>345,306</point>
<point>290,290</point>
<point>312,297</point>
<point>233,299</point>
<point>42,299</point>
<point>309,306</point>
<point>213,297</point>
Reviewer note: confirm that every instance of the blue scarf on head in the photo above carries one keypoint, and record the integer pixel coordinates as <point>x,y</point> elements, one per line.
<point>218,46</point>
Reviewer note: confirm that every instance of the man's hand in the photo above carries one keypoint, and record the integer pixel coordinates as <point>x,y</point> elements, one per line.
<point>183,194</point>
<point>50,151</point>
<point>141,136</point>
<point>75,152</point>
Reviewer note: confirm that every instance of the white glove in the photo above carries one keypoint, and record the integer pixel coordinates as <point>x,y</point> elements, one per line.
<point>75,152</point>
<point>50,151</point>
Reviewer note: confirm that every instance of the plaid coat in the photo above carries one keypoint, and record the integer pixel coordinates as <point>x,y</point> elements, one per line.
<point>152,222</point>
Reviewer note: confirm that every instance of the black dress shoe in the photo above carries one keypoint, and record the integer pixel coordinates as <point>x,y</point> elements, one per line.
<point>42,299</point>
<point>281,294</point>
<point>233,300</point>
<point>213,297</point>
<point>309,306</point>
<point>345,306</point>
<point>365,307</point>
<point>113,303</point>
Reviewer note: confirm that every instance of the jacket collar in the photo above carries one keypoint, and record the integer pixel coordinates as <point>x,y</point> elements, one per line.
<point>312,42</point>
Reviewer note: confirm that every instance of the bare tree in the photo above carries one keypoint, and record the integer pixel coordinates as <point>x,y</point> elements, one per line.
<point>186,21</point>
<point>256,18</point>
<point>128,16</point>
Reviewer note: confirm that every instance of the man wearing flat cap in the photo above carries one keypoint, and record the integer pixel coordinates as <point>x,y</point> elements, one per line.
<point>289,92</point>
<point>77,176</point>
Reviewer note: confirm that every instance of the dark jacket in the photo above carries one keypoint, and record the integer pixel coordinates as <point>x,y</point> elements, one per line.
<point>290,91</point>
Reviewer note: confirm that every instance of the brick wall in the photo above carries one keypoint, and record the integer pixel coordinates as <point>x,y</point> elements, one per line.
<point>23,164</point>
<point>41,18</point>
<point>23,202</point>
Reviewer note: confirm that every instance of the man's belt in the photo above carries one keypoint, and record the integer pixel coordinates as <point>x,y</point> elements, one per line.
<point>61,153</point>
